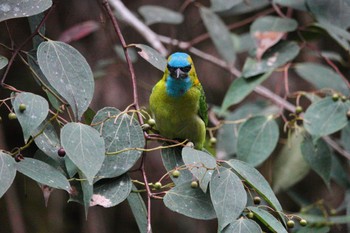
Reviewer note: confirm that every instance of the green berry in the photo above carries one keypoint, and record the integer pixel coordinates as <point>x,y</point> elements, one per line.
<point>250,215</point>
<point>298,109</point>
<point>212,140</point>
<point>194,184</point>
<point>335,97</point>
<point>176,174</point>
<point>12,116</point>
<point>256,200</point>
<point>146,127</point>
<point>151,122</point>
<point>61,152</point>
<point>290,223</point>
<point>343,98</point>
<point>157,185</point>
<point>22,107</point>
<point>303,222</point>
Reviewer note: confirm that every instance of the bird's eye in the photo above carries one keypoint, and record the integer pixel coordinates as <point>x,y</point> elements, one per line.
<point>185,69</point>
<point>170,68</point>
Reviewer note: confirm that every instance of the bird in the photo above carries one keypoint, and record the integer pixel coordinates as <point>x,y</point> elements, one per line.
<point>178,103</point>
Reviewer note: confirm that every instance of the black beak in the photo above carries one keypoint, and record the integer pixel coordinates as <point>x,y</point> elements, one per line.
<point>178,73</point>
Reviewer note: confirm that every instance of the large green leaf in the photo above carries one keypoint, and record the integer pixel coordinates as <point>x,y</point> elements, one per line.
<point>43,173</point>
<point>119,131</point>
<point>111,192</point>
<point>242,225</point>
<point>325,117</point>
<point>138,209</point>
<point>228,196</point>
<point>191,202</point>
<point>219,34</point>
<point>47,140</point>
<point>345,137</point>
<point>241,88</point>
<point>36,111</point>
<point>172,158</point>
<point>3,62</point>
<point>257,138</point>
<point>319,157</point>
<point>340,35</point>
<point>19,8</point>
<point>200,164</point>
<point>268,219</point>
<point>256,181</point>
<point>158,14</point>
<point>85,147</point>
<point>322,77</point>
<point>7,172</point>
<point>152,56</point>
<point>68,72</point>
<point>289,167</point>
<point>222,5</point>
<point>274,24</point>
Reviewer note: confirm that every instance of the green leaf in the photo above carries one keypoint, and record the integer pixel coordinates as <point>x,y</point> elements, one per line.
<point>325,117</point>
<point>242,226</point>
<point>340,35</point>
<point>3,62</point>
<point>138,209</point>
<point>268,219</point>
<point>85,147</point>
<point>228,196</point>
<point>257,138</point>
<point>43,173</point>
<point>256,181</point>
<point>322,77</point>
<point>68,72</point>
<point>273,24</point>
<point>111,192</point>
<point>191,202</point>
<point>223,5</point>
<point>34,21</point>
<point>152,56</point>
<point>158,14</point>
<point>19,8</point>
<point>7,172</point>
<point>119,132</point>
<point>87,192</point>
<point>241,88</point>
<point>246,7</point>
<point>339,173</point>
<point>277,56</point>
<point>289,167</point>
<point>243,42</point>
<point>131,51</point>
<point>47,141</point>
<point>319,157</point>
<point>219,34</point>
<point>200,164</point>
<point>295,4</point>
<point>172,158</point>
<point>345,137</point>
<point>35,113</point>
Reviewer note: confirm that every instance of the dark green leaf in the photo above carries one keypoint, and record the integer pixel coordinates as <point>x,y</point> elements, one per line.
<point>219,34</point>
<point>340,35</point>
<point>191,202</point>
<point>68,72</point>
<point>172,159</point>
<point>268,219</point>
<point>158,14</point>
<point>138,209</point>
<point>319,157</point>
<point>246,7</point>
<point>339,173</point>
<point>273,24</point>
<point>152,56</point>
<point>111,192</point>
<point>242,225</point>
<point>19,8</point>
<point>200,164</point>
<point>3,62</point>
<point>34,21</point>
<point>47,140</point>
<point>7,172</point>
<point>257,138</point>
<point>345,137</point>
<point>322,77</point>
<point>43,173</point>
<point>87,192</point>
<point>36,111</point>
<point>243,42</point>
<point>325,117</point>
<point>241,88</point>
<point>85,147</point>
<point>119,131</point>
<point>289,167</point>
<point>228,196</point>
<point>295,4</point>
<point>222,5</point>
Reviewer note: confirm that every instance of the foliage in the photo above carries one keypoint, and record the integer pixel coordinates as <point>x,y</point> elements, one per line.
<point>92,155</point>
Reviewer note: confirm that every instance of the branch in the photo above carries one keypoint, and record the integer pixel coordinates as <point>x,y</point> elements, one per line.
<point>143,29</point>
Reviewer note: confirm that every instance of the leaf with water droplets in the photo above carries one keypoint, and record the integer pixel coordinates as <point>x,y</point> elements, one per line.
<point>7,172</point>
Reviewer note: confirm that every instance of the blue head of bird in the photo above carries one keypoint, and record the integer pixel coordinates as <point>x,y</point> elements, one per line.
<point>180,74</point>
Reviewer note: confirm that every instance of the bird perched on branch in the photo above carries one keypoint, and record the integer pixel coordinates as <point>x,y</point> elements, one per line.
<point>178,102</point>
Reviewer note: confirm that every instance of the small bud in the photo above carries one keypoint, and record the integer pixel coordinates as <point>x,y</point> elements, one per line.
<point>212,140</point>
<point>151,122</point>
<point>257,200</point>
<point>250,215</point>
<point>12,116</point>
<point>298,109</point>
<point>303,222</point>
<point>22,107</point>
<point>157,185</point>
<point>194,184</point>
<point>61,152</point>
<point>335,97</point>
<point>290,223</point>
<point>176,174</point>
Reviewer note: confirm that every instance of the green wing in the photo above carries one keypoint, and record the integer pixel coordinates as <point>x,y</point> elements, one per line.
<point>203,107</point>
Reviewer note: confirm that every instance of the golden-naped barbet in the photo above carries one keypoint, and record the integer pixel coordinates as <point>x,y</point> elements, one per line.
<point>178,102</point>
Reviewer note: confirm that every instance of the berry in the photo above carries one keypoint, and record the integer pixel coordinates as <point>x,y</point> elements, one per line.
<point>194,184</point>
<point>146,127</point>
<point>299,109</point>
<point>335,97</point>
<point>157,185</point>
<point>303,222</point>
<point>344,98</point>
<point>22,107</point>
<point>12,116</point>
<point>61,152</point>
<point>176,174</point>
<point>256,200</point>
<point>250,215</point>
<point>151,122</point>
<point>212,140</point>
<point>290,223</point>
